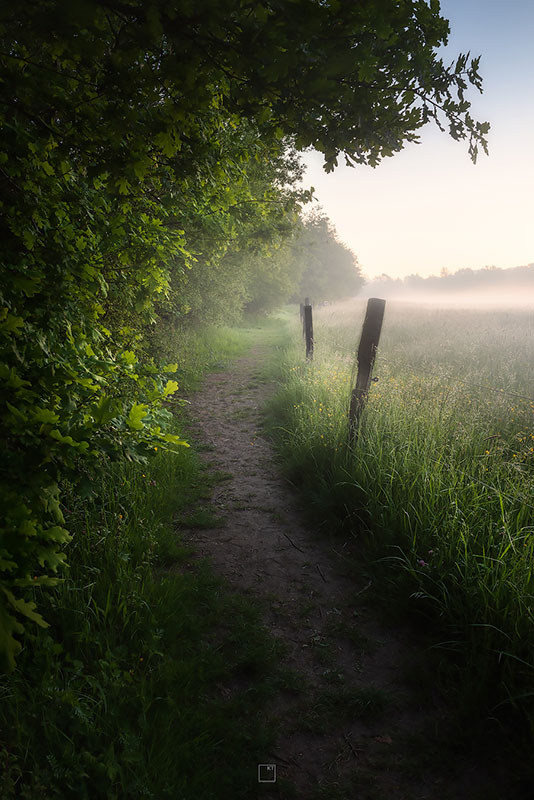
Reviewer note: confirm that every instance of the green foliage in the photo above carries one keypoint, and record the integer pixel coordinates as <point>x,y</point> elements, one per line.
<point>272,280</point>
<point>327,269</point>
<point>146,151</point>
<point>93,228</point>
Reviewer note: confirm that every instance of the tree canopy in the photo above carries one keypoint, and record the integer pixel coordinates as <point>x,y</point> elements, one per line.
<point>327,269</point>
<point>148,150</point>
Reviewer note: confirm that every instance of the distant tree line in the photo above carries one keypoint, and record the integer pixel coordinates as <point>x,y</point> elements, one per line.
<point>463,281</point>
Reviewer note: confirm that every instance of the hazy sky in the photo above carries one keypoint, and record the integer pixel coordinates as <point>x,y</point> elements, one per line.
<point>429,207</point>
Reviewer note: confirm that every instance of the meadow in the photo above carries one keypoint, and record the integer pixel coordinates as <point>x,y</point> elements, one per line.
<point>438,489</point>
<point>119,698</point>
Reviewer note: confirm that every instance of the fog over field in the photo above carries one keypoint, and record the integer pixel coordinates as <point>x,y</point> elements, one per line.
<point>484,288</point>
<point>490,299</point>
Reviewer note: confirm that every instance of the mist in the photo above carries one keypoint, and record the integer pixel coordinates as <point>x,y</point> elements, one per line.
<point>485,288</point>
<point>488,300</point>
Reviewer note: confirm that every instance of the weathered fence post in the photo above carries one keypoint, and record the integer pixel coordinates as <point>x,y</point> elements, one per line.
<point>302,318</point>
<point>372,325</point>
<point>308,330</point>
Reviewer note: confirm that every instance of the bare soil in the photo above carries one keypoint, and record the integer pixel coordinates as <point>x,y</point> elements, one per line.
<point>354,724</point>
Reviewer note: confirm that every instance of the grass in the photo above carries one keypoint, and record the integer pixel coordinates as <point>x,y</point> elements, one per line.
<point>340,705</point>
<point>201,517</point>
<point>439,489</point>
<point>152,678</point>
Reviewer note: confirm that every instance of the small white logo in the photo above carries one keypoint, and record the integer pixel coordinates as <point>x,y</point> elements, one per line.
<point>266,773</point>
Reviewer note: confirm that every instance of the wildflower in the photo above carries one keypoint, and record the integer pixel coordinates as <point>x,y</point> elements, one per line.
<point>120,516</point>
<point>422,563</point>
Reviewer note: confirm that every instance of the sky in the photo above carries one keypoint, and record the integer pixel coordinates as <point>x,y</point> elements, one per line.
<point>428,207</point>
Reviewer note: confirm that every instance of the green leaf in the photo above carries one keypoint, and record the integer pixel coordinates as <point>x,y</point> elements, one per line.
<point>12,324</point>
<point>26,608</point>
<point>57,534</point>
<point>16,412</point>
<point>50,556</point>
<point>28,528</point>
<point>49,497</point>
<point>122,185</point>
<point>28,238</point>
<point>173,439</point>
<point>6,562</point>
<point>87,383</point>
<point>44,415</point>
<point>129,357</point>
<point>106,410</point>
<point>55,434</point>
<point>46,167</point>
<point>13,379</point>
<point>9,646</point>
<point>170,388</point>
<point>30,286</point>
<point>136,416</point>
<point>86,488</point>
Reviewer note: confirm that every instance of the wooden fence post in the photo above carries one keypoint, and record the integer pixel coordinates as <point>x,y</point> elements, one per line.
<point>372,326</point>
<point>303,306</point>
<point>302,317</point>
<point>308,331</point>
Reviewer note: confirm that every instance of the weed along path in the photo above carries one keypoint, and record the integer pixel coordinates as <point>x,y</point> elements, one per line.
<point>349,718</point>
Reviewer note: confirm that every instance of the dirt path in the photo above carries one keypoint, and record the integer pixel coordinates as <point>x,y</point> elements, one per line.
<point>356,720</point>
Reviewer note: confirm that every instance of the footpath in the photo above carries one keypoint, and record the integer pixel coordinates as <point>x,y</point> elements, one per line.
<point>353,724</point>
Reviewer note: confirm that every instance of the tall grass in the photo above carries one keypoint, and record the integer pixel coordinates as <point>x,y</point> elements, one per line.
<point>440,485</point>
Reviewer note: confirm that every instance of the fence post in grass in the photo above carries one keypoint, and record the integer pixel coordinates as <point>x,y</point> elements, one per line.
<point>302,319</point>
<point>372,325</point>
<point>308,330</point>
